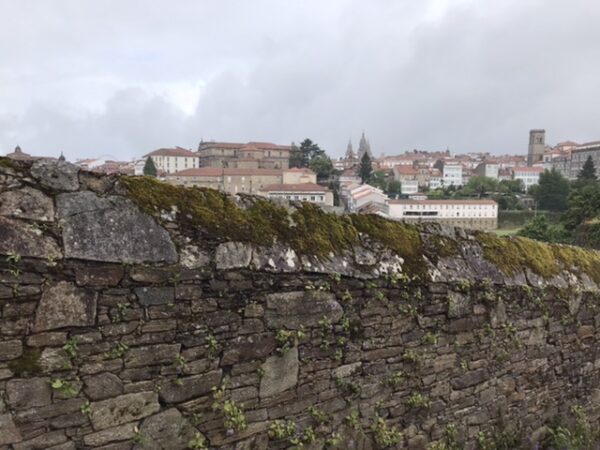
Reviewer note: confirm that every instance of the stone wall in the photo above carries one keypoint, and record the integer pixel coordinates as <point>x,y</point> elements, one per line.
<point>125,324</point>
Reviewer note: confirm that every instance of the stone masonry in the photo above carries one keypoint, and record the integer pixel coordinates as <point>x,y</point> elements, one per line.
<point>120,331</point>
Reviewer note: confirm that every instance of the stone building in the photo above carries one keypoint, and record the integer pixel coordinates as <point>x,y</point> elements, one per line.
<point>252,155</point>
<point>227,179</point>
<point>580,155</point>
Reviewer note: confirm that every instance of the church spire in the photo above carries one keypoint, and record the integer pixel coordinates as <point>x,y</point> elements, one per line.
<point>350,151</point>
<point>364,147</point>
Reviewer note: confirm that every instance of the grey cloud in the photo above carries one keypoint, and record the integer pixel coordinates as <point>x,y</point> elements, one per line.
<point>86,77</point>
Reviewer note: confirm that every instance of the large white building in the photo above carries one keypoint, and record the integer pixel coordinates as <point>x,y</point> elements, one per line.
<point>171,160</point>
<point>452,175</point>
<point>530,176</point>
<point>366,196</point>
<point>305,192</point>
<point>474,214</point>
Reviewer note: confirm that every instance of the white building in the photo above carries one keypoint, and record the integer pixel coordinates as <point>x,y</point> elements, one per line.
<point>171,160</point>
<point>364,196</point>
<point>409,186</point>
<point>452,175</point>
<point>474,214</point>
<point>304,192</point>
<point>530,176</point>
<point>486,169</point>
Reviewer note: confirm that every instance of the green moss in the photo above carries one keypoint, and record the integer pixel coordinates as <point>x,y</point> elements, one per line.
<point>8,163</point>
<point>442,246</point>
<point>27,363</point>
<point>402,238</point>
<point>514,254</point>
<point>308,230</point>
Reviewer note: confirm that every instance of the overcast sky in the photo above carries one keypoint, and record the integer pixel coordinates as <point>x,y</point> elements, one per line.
<point>121,78</point>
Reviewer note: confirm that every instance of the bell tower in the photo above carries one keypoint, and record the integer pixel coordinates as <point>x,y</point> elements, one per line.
<point>537,144</point>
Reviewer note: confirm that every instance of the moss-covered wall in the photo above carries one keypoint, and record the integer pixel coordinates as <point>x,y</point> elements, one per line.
<point>135,314</point>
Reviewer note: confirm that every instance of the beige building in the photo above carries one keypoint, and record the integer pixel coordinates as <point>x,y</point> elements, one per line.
<point>232,181</point>
<point>252,155</point>
<point>304,192</point>
<point>299,175</point>
<point>171,160</point>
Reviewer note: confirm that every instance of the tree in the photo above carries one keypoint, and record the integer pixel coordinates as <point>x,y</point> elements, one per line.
<point>378,180</point>
<point>296,157</point>
<point>588,171</point>
<point>511,186</point>
<point>366,169</point>
<point>394,188</point>
<point>150,168</point>
<point>584,204</point>
<point>552,191</point>
<point>480,186</point>
<point>321,165</point>
<point>540,229</point>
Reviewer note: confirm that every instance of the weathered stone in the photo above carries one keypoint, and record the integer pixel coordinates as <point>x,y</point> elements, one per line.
<point>459,305</point>
<point>125,408</point>
<point>27,203</point>
<point>114,230</point>
<point>23,393</point>
<point>9,434</point>
<point>10,350</point>
<point>155,354</point>
<point>280,373</point>
<point>191,257</point>
<point>102,386</point>
<point>56,174</point>
<point>168,430</point>
<point>99,276</point>
<point>190,387</point>
<point>233,255</point>
<point>53,359</point>
<point>64,305</point>
<point>246,349</point>
<point>275,259</point>
<point>469,379</point>
<point>119,433</point>
<point>155,295</point>
<point>293,310</point>
<point>20,238</point>
<point>44,442</point>
<point>347,370</point>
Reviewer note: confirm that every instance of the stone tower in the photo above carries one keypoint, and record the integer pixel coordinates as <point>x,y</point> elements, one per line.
<point>537,144</point>
<point>364,147</point>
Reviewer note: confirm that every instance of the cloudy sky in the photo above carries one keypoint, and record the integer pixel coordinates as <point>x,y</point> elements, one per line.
<point>121,78</point>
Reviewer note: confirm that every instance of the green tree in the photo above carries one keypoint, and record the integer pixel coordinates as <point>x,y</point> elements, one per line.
<point>321,165</point>
<point>588,171</point>
<point>150,168</point>
<point>480,186</point>
<point>552,191</point>
<point>511,186</point>
<point>296,158</point>
<point>584,204</point>
<point>378,179</point>
<point>365,169</point>
<point>394,188</point>
<point>540,229</point>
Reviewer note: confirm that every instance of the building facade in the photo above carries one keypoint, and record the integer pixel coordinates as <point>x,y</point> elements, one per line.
<point>530,176</point>
<point>473,214</point>
<point>580,155</point>
<point>452,175</point>
<point>171,160</point>
<point>232,181</point>
<point>304,192</point>
<point>252,155</point>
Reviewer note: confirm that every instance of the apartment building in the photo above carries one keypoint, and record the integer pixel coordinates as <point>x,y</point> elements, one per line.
<point>473,214</point>
<point>530,176</point>
<point>580,155</point>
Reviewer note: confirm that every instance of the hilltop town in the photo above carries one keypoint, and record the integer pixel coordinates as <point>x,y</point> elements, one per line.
<point>416,185</point>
